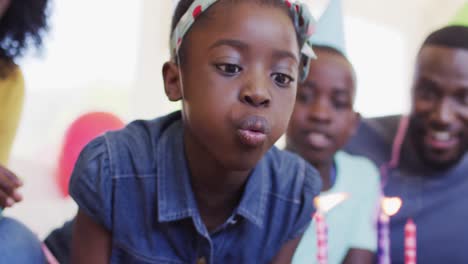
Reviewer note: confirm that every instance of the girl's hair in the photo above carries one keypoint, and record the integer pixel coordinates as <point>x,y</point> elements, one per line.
<point>23,25</point>
<point>332,50</point>
<point>184,5</point>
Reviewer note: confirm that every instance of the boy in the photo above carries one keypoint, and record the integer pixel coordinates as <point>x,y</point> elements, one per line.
<point>322,122</point>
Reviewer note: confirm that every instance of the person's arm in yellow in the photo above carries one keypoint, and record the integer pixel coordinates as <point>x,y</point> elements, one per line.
<point>11,105</point>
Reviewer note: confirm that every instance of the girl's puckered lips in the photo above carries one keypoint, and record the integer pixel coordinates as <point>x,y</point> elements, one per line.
<point>252,131</point>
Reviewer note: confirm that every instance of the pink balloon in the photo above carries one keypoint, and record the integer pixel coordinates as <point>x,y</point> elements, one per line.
<point>81,132</point>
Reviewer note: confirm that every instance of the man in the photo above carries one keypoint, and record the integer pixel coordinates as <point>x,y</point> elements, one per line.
<point>423,156</point>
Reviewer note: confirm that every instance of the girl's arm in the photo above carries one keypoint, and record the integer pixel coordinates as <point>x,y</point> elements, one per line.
<point>359,256</point>
<point>286,252</point>
<point>91,242</point>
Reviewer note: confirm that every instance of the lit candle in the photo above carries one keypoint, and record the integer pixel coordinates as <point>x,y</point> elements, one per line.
<point>410,242</point>
<point>390,206</point>
<point>324,204</point>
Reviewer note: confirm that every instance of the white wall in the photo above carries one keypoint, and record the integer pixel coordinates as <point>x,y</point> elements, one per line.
<point>90,63</point>
<point>384,37</point>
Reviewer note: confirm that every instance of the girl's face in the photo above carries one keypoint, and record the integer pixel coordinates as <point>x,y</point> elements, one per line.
<point>323,117</point>
<point>239,80</point>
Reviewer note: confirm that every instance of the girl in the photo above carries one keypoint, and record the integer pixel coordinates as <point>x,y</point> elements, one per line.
<point>205,184</point>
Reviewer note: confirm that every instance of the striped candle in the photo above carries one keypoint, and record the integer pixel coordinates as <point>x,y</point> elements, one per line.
<point>410,242</point>
<point>322,238</point>
<point>383,251</point>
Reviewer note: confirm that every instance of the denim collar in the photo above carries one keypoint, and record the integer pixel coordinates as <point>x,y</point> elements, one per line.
<point>176,199</point>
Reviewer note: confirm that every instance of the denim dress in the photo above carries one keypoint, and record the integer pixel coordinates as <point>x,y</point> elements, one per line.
<point>136,183</point>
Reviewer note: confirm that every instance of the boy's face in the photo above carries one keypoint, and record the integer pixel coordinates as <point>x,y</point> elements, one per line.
<point>439,117</point>
<point>323,117</point>
<point>239,81</point>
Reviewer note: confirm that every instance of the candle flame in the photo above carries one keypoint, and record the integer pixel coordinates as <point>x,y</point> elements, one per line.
<point>325,203</point>
<point>391,205</point>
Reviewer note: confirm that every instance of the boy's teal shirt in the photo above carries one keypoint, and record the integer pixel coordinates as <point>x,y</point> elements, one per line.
<point>352,223</point>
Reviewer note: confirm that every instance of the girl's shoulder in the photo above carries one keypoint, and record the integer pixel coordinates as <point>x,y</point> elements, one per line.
<point>113,168</point>
<point>134,149</point>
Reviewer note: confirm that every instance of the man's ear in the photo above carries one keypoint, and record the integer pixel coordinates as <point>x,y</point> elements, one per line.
<point>172,82</point>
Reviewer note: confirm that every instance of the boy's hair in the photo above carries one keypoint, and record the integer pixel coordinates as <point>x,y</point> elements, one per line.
<point>331,50</point>
<point>335,51</point>
<point>184,5</point>
<point>22,25</point>
<point>450,36</point>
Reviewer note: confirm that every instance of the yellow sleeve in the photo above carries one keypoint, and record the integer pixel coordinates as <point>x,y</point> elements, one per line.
<point>11,105</point>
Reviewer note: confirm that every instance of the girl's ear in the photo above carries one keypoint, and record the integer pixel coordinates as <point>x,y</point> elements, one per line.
<point>172,82</point>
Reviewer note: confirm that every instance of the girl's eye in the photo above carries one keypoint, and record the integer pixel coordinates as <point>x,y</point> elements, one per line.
<point>282,79</point>
<point>228,68</point>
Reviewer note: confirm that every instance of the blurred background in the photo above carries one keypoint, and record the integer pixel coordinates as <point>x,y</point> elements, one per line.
<point>106,55</point>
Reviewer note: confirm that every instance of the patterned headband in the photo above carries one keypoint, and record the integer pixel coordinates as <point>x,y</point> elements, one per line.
<point>303,22</point>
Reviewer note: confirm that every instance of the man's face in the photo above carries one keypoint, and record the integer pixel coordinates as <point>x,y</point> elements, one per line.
<point>439,117</point>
